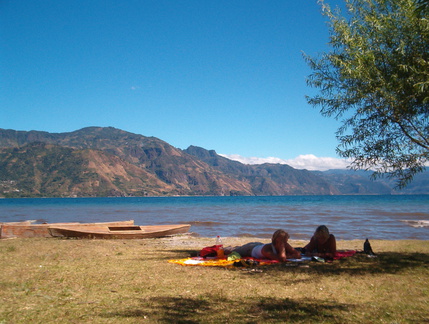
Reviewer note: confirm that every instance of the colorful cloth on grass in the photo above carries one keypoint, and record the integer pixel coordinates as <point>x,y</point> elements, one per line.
<point>203,262</point>
<point>215,262</point>
<point>210,250</point>
<point>344,254</point>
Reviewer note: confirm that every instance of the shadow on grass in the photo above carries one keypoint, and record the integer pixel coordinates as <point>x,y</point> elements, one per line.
<point>214,309</point>
<point>185,253</point>
<point>359,264</point>
<point>166,255</point>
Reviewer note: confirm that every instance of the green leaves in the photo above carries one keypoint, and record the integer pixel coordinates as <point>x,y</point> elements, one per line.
<point>377,77</point>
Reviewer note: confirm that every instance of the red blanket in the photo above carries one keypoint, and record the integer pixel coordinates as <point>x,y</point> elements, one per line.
<point>344,254</point>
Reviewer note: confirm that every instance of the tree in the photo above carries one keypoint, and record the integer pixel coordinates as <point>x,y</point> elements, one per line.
<point>375,79</point>
<point>422,6</point>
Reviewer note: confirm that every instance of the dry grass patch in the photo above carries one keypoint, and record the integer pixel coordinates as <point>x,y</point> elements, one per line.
<point>130,281</point>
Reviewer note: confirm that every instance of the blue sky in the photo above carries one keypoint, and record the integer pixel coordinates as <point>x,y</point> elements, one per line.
<point>222,75</point>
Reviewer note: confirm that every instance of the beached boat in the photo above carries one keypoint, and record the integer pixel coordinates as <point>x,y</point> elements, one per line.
<point>119,231</point>
<point>27,229</point>
<point>26,222</point>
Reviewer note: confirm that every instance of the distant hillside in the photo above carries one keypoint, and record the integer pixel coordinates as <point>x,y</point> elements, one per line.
<point>272,179</point>
<point>350,182</point>
<point>104,161</point>
<point>119,164</point>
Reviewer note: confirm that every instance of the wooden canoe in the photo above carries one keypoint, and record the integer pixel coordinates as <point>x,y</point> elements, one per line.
<point>26,222</point>
<point>119,231</point>
<point>28,229</point>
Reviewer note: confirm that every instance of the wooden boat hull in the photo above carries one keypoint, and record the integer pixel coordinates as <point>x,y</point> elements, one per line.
<point>28,230</point>
<point>119,232</point>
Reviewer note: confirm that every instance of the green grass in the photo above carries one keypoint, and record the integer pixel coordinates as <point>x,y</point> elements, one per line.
<point>130,281</point>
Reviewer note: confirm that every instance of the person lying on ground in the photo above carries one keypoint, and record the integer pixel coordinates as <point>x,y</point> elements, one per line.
<point>322,244</point>
<point>279,249</point>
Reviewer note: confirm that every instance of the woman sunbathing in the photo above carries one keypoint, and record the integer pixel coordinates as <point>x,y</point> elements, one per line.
<point>322,244</point>
<point>279,249</point>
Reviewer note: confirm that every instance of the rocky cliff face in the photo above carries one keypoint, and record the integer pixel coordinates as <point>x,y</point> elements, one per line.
<point>104,162</point>
<point>99,162</point>
<point>275,179</point>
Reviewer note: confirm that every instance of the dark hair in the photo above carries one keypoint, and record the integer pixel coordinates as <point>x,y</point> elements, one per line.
<point>322,229</point>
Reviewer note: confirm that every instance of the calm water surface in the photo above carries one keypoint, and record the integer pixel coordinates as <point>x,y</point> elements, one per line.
<point>348,217</point>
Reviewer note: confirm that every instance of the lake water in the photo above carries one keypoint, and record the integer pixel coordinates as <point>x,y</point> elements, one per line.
<point>348,217</point>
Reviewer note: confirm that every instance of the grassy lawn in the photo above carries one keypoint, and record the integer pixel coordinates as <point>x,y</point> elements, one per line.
<point>130,281</point>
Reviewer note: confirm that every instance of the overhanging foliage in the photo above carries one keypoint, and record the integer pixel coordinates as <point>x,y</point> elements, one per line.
<point>376,80</point>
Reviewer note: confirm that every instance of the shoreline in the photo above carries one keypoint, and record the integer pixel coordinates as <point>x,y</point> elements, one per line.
<point>347,217</point>
<point>354,244</point>
<point>191,237</point>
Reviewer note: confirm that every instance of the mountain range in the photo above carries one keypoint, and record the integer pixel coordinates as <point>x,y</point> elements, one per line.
<point>105,161</point>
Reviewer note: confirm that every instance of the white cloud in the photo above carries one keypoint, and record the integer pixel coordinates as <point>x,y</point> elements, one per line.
<point>307,161</point>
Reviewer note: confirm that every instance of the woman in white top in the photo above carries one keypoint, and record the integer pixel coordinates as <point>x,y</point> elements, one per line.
<point>279,249</point>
